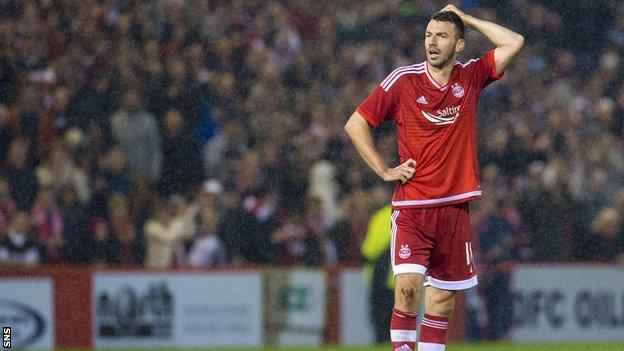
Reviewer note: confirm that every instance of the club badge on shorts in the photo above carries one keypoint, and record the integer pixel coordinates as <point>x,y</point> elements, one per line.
<point>405,252</point>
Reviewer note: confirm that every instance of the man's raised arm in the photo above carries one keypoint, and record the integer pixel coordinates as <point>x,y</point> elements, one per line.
<point>359,131</point>
<point>508,43</point>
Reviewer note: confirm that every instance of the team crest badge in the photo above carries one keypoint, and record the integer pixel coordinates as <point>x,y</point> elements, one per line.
<point>405,252</point>
<point>457,90</point>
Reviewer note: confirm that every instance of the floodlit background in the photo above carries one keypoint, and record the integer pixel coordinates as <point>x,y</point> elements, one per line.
<point>175,173</point>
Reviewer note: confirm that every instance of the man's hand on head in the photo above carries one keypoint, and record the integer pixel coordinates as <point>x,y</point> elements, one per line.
<point>453,8</point>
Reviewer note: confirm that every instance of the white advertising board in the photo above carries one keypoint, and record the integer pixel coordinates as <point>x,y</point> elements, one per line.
<point>355,310</point>
<point>177,310</point>
<point>568,303</point>
<point>296,304</point>
<point>27,306</point>
<point>304,299</point>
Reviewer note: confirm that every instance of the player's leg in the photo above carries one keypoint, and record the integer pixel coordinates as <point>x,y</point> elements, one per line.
<point>451,268</point>
<point>407,291</point>
<point>410,249</point>
<point>439,305</point>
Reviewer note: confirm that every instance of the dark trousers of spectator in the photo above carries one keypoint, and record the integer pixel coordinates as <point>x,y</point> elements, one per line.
<point>498,303</point>
<point>382,298</point>
<point>475,314</point>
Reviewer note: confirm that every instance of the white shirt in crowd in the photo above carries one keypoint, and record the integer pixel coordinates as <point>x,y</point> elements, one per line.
<point>207,251</point>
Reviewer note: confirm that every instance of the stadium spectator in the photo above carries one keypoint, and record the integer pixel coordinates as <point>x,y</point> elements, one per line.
<point>223,142</point>
<point>207,249</point>
<point>75,222</point>
<point>49,224</point>
<point>26,116</point>
<point>324,186</point>
<point>497,237</point>
<point>8,208</point>
<point>340,232</point>
<point>247,235</point>
<point>114,172</point>
<point>606,242</point>
<point>61,171</point>
<point>159,237</point>
<point>6,133</point>
<point>136,131</point>
<point>7,79</point>
<point>317,226</point>
<point>122,227</point>
<point>548,209</point>
<point>357,204</point>
<point>171,224</point>
<point>18,247</point>
<point>292,241</point>
<point>20,174</point>
<point>90,102</point>
<point>182,165</point>
<point>106,246</point>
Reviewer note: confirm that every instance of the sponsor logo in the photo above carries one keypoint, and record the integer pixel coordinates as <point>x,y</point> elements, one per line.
<point>295,298</point>
<point>405,252</point>
<point>447,115</point>
<point>559,309</point>
<point>128,312</point>
<point>403,347</point>
<point>26,324</point>
<point>422,100</point>
<point>457,90</point>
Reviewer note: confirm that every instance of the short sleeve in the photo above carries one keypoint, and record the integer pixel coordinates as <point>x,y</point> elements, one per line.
<point>379,106</point>
<point>486,69</point>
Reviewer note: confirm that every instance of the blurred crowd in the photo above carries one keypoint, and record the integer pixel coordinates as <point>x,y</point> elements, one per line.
<point>207,132</point>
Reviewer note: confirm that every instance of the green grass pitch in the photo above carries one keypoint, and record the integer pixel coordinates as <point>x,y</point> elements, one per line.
<point>451,347</point>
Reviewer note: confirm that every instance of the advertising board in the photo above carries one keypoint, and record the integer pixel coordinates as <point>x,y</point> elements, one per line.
<point>564,303</point>
<point>177,310</point>
<point>295,306</point>
<point>355,308</point>
<point>27,308</point>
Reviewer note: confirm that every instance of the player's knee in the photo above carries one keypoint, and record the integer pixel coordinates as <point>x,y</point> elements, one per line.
<point>444,308</point>
<point>407,293</point>
<point>406,299</point>
<point>440,303</point>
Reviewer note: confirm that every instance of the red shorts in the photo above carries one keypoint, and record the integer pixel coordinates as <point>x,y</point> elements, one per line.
<point>435,242</point>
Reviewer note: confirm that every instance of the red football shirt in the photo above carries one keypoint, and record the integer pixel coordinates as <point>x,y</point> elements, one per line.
<point>436,126</point>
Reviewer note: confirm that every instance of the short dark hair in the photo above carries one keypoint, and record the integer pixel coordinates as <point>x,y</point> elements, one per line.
<point>450,16</point>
